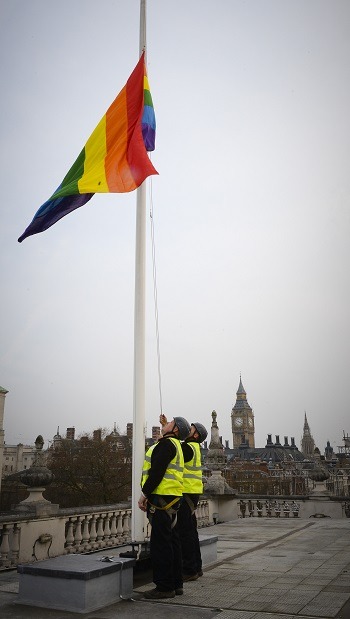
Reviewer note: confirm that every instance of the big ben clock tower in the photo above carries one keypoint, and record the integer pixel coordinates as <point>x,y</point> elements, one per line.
<point>242,418</point>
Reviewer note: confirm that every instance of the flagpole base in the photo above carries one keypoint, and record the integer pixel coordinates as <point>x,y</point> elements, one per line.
<point>140,551</point>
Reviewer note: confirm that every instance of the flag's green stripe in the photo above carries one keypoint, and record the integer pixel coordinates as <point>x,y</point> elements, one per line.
<point>69,185</point>
<point>148,98</point>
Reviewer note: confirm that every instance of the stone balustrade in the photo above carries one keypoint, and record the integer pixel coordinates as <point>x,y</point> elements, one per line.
<point>97,530</point>
<point>24,538</point>
<point>269,509</point>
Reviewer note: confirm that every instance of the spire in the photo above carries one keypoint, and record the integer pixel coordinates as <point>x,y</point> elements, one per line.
<point>241,391</point>
<point>114,431</point>
<point>307,441</point>
<point>306,426</point>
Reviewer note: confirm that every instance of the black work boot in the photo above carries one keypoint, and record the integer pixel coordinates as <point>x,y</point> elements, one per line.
<point>156,594</point>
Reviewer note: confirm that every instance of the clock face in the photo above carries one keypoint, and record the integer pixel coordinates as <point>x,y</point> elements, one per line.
<point>250,422</point>
<point>238,421</point>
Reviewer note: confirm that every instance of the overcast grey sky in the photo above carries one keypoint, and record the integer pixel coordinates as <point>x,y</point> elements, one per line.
<point>251,214</point>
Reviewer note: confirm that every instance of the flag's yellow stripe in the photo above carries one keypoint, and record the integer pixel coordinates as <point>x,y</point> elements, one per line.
<point>94,178</point>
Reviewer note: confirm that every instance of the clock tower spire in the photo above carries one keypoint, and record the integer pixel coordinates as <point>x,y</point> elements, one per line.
<point>242,419</point>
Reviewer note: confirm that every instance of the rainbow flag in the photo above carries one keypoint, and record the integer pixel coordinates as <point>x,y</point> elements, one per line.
<point>113,160</point>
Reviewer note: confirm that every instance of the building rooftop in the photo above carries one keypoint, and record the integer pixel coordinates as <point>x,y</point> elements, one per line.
<point>266,569</point>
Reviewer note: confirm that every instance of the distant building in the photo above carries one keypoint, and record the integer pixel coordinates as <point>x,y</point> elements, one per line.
<point>155,433</point>
<point>242,419</point>
<point>17,458</point>
<point>70,434</point>
<point>329,453</point>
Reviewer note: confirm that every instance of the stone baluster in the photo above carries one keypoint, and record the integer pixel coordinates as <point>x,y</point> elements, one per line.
<point>203,514</point>
<point>114,529</point>
<point>15,544</point>
<point>120,528</point>
<point>93,533</point>
<point>70,536</point>
<point>199,515</point>
<point>107,531</point>
<point>5,547</point>
<point>126,525</point>
<point>206,513</point>
<point>77,535</point>
<point>99,540</point>
<point>86,534</point>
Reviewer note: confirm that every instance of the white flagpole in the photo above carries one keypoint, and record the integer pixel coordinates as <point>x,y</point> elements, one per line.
<point>138,435</point>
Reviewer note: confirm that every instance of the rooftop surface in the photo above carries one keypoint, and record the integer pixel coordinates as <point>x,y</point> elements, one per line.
<point>266,569</point>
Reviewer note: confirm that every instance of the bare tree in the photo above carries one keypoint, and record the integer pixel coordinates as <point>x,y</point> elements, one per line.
<point>94,469</point>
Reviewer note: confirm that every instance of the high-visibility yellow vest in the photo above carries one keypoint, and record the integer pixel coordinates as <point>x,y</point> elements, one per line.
<point>193,483</point>
<point>172,482</point>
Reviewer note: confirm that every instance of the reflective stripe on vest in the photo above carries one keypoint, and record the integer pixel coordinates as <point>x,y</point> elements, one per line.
<point>172,482</point>
<point>193,483</point>
<point>147,465</point>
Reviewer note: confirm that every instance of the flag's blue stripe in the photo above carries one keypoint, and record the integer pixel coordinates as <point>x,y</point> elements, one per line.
<point>148,116</point>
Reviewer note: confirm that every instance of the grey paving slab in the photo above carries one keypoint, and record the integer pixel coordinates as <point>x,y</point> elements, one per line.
<point>328,571</point>
<point>290,579</point>
<point>342,579</point>
<point>280,586</point>
<point>250,605</point>
<point>314,580</point>
<point>314,587</point>
<point>236,614</point>
<point>337,589</point>
<point>280,606</point>
<point>279,616</point>
<point>10,587</point>
<point>260,580</point>
<point>326,604</point>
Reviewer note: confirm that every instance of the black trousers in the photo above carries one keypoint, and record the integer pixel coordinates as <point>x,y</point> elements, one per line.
<point>165,549</point>
<point>187,527</point>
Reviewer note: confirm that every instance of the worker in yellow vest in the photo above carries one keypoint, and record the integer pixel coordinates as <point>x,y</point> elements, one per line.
<point>162,485</point>
<point>193,488</point>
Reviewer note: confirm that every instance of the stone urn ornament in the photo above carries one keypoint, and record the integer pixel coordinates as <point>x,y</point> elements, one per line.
<point>37,478</point>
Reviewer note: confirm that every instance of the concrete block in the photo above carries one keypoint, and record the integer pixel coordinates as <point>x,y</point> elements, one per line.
<point>75,583</point>
<point>208,545</point>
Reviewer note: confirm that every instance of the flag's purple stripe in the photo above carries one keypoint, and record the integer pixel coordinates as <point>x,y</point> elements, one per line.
<point>53,211</point>
<point>149,137</point>
<point>149,127</point>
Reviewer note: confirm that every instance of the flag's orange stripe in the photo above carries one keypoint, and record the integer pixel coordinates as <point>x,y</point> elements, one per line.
<point>117,170</point>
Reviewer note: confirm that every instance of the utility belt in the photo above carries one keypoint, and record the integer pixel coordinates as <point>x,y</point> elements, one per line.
<point>169,507</point>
